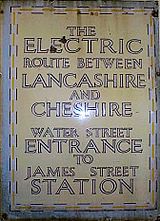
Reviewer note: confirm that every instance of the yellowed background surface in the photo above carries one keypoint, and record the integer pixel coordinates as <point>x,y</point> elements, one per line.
<point>113,27</point>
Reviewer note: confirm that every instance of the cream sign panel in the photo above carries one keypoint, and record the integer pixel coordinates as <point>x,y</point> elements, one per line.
<point>83,109</point>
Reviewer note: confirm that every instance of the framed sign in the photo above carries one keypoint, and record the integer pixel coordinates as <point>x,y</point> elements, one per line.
<point>82,114</point>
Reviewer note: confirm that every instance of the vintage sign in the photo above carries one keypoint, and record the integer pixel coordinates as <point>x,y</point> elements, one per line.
<point>83,109</point>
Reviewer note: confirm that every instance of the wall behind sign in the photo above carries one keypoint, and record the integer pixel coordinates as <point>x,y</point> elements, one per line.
<point>1,21</point>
